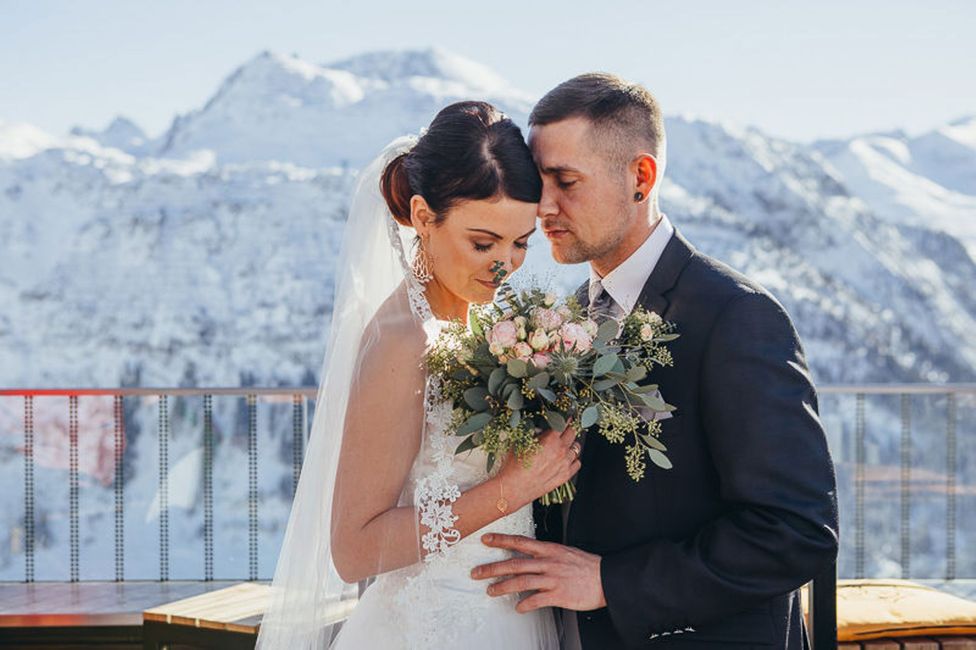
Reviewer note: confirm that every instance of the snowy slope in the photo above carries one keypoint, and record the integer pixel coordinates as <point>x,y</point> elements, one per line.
<point>928,180</point>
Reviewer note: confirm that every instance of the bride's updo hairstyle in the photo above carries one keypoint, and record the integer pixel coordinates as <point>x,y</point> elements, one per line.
<point>471,151</point>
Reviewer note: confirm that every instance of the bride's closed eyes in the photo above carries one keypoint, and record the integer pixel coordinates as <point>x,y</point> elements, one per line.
<point>482,248</point>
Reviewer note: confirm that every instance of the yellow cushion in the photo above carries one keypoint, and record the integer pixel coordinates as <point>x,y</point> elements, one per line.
<point>871,609</point>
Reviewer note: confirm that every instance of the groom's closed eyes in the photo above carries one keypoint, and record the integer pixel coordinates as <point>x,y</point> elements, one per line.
<point>566,176</point>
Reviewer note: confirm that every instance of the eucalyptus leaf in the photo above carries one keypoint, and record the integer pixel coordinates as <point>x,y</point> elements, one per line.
<point>653,401</point>
<point>590,416</point>
<point>515,400</point>
<point>636,373</point>
<point>495,380</point>
<point>650,388</point>
<point>653,442</point>
<point>607,331</point>
<point>539,381</point>
<point>659,459</point>
<point>475,398</point>
<point>604,384</point>
<point>466,445</point>
<point>556,420</point>
<point>546,394</point>
<point>474,423</point>
<point>603,365</point>
<point>518,368</point>
<point>516,419</point>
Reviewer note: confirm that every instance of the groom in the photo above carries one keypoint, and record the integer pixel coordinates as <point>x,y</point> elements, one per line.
<point>710,553</point>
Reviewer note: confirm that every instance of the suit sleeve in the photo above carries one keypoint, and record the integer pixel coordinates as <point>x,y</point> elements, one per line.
<point>759,415</point>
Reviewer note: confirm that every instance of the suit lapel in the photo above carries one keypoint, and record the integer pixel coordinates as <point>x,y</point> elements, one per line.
<point>674,258</point>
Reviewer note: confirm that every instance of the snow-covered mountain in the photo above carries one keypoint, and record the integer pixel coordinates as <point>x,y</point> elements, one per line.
<point>927,180</point>
<point>206,256</point>
<point>122,134</point>
<point>283,108</point>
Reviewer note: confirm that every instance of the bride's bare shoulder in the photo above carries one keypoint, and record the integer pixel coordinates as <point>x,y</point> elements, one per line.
<point>394,334</point>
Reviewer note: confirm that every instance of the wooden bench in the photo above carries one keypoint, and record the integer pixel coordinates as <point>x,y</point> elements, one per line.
<point>228,618</point>
<point>103,614</point>
<point>914,643</point>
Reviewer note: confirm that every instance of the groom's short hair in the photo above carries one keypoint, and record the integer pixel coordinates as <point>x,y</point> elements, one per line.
<point>622,113</point>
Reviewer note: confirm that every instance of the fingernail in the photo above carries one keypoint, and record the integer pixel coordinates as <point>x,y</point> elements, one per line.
<point>475,572</point>
<point>487,538</point>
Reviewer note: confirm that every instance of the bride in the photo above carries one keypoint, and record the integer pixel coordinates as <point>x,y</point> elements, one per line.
<point>382,493</point>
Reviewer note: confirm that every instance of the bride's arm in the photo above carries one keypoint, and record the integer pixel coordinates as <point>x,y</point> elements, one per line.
<point>384,420</point>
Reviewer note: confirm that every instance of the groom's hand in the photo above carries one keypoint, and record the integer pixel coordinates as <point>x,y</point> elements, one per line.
<point>560,576</point>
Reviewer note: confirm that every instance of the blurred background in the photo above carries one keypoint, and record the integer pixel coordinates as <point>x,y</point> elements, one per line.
<point>173,185</point>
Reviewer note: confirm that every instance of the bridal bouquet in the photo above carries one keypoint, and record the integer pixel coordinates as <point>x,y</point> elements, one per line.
<point>527,363</point>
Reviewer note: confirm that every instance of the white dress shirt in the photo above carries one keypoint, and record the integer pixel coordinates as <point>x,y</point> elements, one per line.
<point>625,283</point>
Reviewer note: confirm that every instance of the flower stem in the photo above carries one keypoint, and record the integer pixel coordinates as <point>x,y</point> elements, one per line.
<point>562,494</point>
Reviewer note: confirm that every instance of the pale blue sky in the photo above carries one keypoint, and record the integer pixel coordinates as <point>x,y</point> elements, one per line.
<point>799,70</point>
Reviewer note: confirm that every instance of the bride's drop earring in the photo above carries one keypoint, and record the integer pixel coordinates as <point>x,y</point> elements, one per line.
<point>421,264</point>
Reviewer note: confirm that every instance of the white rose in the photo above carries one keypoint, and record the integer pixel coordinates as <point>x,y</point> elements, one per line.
<point>646,332</point>
<point>539,340</point>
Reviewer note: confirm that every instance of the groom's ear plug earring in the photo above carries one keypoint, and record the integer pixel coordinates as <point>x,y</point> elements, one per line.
<point>639,197</point>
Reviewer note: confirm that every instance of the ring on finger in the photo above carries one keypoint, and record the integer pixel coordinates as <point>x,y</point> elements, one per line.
<point>577,449</point>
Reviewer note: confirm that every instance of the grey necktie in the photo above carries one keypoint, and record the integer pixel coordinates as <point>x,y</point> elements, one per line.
<point>603,305</point>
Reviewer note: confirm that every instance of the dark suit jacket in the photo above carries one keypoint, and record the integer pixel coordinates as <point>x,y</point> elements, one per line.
<point>720,542</point>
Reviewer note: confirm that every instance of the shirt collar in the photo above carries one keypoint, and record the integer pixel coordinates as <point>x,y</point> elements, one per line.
<point>625,283</point>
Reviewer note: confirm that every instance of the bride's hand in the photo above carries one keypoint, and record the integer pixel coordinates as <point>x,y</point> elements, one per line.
<point>549,467</point>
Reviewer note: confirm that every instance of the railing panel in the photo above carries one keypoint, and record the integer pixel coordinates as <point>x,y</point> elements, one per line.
<point>197,483</point>
<point>153,484</point>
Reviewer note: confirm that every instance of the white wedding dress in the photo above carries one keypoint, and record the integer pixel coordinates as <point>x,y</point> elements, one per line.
<point>435,603</point>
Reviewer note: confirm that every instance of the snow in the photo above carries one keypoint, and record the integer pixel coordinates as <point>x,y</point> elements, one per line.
<point>207,257</point>
<point>18,140</point>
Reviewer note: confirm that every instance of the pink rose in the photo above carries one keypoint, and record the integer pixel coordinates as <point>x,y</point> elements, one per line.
<point>540,360</point>
<point>504,334</point>
<point>575,336</point>
<point>522,351</point>
<point>547,319</point>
